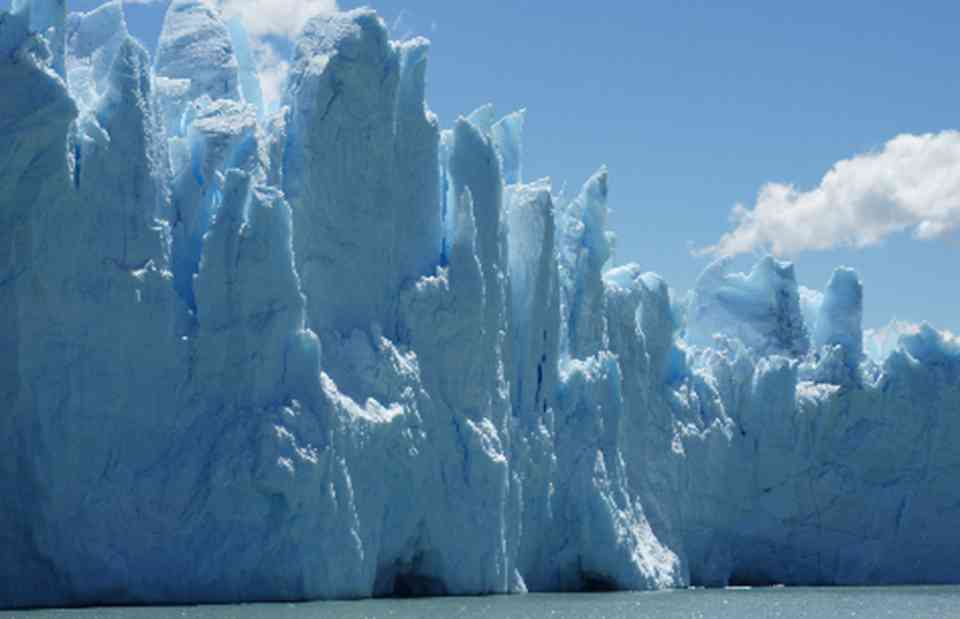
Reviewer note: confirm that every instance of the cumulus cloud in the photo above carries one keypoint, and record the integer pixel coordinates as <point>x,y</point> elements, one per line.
<point>272,25</point>
<point>911,184</point>
<point>272,68</point>
<point>279,18</point>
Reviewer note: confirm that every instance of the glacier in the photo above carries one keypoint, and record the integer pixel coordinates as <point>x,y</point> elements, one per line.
<point>338,351</point>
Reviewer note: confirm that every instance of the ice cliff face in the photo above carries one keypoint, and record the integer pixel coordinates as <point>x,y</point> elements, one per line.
<point>337,352</point>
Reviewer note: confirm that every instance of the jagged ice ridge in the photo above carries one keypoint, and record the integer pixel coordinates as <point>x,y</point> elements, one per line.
<point>338,352</point>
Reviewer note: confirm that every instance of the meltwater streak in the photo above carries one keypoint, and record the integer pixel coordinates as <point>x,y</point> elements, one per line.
<point>779,603</point>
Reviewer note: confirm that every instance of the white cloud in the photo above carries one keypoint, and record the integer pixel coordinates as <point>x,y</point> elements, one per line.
<point>272,69</point>
<point>912,183</point>
<point>270,21</point>
<point>281,18</point>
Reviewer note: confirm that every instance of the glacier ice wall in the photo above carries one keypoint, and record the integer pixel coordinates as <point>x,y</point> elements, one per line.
<point>337,352</point>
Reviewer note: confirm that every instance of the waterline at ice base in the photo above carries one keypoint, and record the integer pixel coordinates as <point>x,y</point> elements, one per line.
<point>332,350</point>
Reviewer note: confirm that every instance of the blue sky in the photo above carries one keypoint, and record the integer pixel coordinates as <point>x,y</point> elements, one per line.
<point>694,107</point>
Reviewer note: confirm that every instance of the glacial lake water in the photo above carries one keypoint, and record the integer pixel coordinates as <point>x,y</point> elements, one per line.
<point>778,603</point>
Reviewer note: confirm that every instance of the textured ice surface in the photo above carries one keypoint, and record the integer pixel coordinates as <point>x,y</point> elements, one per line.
<point>508,138</point>
<point>360,169</point>
<point>841,314</point>
<point>47,18</point>
<point>761,309</point>
<point>336,352</point>
<point>195,56</point>
<point>92,42</point>
<point>246,65</point>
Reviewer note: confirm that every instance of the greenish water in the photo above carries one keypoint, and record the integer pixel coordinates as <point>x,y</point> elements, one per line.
<point>784,603</point>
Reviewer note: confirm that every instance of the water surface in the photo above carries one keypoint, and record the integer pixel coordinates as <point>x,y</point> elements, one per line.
<point>781,603</point>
